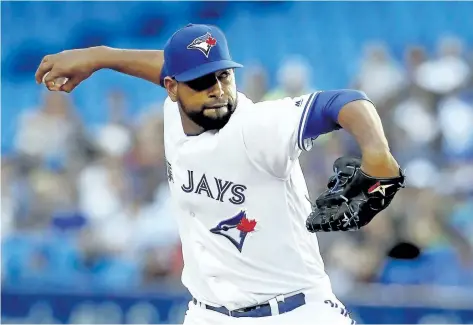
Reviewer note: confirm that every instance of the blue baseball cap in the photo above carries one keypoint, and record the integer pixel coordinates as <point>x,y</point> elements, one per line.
<point>195,51</point>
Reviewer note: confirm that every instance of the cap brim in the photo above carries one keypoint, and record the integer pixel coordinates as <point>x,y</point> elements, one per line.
<point>205,69</point>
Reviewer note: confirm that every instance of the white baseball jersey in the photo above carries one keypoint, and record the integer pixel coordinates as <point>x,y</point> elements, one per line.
<point>241,205</point>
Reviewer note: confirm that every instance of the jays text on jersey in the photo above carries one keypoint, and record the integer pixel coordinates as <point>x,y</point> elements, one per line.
<point>240,198</point>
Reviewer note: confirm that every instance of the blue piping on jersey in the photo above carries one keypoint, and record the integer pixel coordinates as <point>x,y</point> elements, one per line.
<point>303,121</point>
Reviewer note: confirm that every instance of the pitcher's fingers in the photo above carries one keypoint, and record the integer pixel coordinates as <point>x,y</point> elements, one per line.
<point>56,84</point>
<point>70,84</point>
<point>53,75</point>
<point>44,67</point>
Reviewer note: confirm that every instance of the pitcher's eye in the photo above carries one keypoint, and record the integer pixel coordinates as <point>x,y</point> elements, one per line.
<point>224,75</point>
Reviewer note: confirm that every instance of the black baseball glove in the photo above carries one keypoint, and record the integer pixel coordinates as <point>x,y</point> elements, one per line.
<point>352,198</point>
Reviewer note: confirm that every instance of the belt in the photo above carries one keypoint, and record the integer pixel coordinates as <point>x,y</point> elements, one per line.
<point>275,306</point>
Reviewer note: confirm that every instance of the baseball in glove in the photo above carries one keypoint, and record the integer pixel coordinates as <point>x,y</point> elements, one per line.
<point>352,199</point>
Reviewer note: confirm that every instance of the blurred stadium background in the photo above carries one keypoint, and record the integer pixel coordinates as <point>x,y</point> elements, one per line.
<point>87,234</point>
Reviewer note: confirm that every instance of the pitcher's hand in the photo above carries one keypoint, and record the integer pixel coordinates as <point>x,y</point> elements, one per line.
<point>65,70</point>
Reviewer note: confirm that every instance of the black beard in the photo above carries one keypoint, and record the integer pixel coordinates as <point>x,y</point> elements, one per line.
<point>209,123</point>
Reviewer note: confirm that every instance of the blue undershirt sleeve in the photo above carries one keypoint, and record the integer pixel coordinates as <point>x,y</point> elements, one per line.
<point>320,114</point>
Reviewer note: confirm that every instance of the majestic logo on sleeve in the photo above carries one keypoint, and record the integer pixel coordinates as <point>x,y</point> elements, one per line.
<point>235,229</point>
<point>203,43</point>
<point>169,171</point>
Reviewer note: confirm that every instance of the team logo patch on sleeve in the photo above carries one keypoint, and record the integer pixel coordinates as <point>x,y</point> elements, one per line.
<point>235,229</point>
<point>203,43</point>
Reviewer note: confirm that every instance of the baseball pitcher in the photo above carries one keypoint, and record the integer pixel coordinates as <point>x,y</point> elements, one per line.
<point>248,231</point>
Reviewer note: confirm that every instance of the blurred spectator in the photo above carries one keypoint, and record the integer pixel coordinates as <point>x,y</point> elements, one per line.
<point>455,122</point>
<point>138,227</point>
<point>416,128</point>
<point>147,157</point>
<point>446,73</point>
<point>51,133</point>
<point>9,206</point>
<point>117,108</point>
<point>103,188</point>
<point>424,174</point>
<point>255,83</point>
<point>53,193</point>
<point>102,184</point>
<point>379,77</point>
<point>293,79</point>
<point>414,57</point>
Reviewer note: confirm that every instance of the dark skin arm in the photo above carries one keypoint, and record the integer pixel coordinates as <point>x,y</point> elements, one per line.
<point>362,121</point>
<point>78,65</point>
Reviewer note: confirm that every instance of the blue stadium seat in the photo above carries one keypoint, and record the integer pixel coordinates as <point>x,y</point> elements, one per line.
<point>436,266</point>
<point>115,273</point>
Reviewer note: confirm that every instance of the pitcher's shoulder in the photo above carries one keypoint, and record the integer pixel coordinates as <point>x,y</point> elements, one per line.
<point>249,108</point>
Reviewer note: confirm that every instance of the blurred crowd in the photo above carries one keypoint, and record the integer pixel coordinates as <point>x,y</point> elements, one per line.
<point>89,207</point>
<point>102,192</point>
<point>426,105</point>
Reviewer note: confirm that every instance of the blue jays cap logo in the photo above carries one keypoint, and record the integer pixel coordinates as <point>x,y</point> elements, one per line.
<point>203,43</point>
<point>235,229</point>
